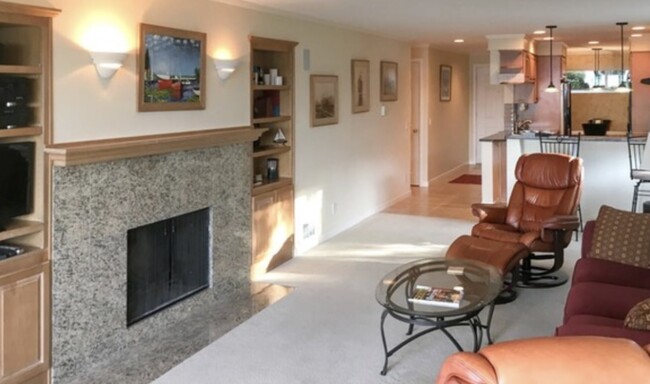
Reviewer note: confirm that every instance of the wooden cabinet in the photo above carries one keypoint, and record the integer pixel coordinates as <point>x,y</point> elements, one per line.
<point>272,229</point>
<point>24,324</point>
<point>517,67</point>
<point>25,289</point>
<point>520,68</point>
<point>272,110</point>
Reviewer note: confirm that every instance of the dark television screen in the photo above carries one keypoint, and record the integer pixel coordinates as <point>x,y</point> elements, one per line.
<point>16,175</point>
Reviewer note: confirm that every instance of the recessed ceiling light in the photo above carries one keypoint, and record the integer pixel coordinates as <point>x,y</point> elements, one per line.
<point>548,38</point>
<point>539,32</point>
<point>459,41</point>
<point>636,35</point>
<point>638,28</point>
<point>594,42</point>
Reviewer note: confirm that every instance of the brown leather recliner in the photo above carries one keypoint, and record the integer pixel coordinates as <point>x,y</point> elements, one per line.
<point>541,214</point>
<point>557,360</point>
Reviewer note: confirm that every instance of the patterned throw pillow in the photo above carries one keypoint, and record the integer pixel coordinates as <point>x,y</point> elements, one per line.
<point>639,316</point>
<point>622,236</point>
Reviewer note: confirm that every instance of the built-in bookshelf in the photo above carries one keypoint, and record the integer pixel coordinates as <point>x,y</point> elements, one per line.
<point>272,111</point>
<point>25,289</point>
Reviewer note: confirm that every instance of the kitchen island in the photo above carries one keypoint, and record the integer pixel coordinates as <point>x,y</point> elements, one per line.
<point>606,169</point>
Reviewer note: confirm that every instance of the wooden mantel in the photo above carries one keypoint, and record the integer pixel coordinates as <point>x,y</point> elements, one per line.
<point>97,151</point>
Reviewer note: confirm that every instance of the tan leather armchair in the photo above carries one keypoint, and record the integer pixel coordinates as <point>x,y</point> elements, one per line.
<point>541,214</point>
<point>556,360</point>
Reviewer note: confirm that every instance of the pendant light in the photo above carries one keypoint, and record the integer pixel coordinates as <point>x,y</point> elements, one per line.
<point>597,68</point>
<point>622,87</point>
<point>551,87</point>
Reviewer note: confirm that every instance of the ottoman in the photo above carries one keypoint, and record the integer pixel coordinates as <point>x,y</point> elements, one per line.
<point>504,256</point>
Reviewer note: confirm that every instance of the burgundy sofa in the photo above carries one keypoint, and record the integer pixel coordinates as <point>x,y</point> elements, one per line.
<point>602,293</point>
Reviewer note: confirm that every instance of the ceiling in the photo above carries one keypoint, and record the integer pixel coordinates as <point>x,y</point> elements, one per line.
<point>439,22</point>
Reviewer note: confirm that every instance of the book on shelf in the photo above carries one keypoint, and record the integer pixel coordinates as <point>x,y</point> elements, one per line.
<point>444,297</point>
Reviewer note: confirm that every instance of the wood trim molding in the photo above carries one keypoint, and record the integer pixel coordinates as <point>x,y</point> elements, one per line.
<point>31,10</point>
<point>265,43</point>
<point>98,151</point>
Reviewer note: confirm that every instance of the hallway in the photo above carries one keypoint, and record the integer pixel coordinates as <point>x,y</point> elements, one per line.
<point>442,198</point>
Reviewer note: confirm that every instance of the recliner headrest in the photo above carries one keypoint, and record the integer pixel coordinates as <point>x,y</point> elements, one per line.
<point>549,170</point>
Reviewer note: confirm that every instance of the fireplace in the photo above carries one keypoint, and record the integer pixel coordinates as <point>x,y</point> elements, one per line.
<point>93,208</point>
<point>167,261</point>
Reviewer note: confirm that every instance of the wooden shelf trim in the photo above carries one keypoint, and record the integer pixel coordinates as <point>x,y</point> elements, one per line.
<point>271,119</point>
<point>13,264</point>
<point>19,228</point>
<point>20,132</point>
<point>98,151</point>
<point>28,10</point>
<point>20,69</point>
<point>271,87</point>
<point>266,44</point>
<point>270,186</point>
<point>270,151</point>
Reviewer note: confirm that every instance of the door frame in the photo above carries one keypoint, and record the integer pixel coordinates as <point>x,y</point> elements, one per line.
<point>473,137</point>
<point>423,180</point>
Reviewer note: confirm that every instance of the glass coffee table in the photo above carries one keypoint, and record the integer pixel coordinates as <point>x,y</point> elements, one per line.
<point>480,282</point>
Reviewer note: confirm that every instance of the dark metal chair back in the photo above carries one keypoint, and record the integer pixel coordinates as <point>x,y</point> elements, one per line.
<point>568,145</point>
<point>635,150</point>
<point>636,153</point>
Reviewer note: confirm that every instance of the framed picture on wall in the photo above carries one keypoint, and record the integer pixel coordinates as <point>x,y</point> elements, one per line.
<point>388,90</point>
<point>171,69</point>
<point>360,86</point>
<point>445,83</point>
<point>324,100</point>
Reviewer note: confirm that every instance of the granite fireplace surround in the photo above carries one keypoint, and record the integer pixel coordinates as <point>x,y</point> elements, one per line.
<point>93,206</point>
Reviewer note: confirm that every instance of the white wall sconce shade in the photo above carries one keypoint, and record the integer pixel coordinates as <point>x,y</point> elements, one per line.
<point>107,63</point>
<point>225,67</point>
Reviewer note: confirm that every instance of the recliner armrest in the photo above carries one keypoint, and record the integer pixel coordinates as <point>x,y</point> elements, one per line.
<point>490,213</point>
<point>564,223</point>
<point>467,368</point>
<point>543,360</point>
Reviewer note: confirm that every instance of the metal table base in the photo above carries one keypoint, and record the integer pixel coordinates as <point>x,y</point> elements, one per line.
<point>438,323</point>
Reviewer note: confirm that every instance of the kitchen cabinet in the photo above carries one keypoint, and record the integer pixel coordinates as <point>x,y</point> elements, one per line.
<point>517,67</point>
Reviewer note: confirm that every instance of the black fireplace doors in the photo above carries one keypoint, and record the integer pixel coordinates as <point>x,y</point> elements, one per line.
<point>167,261</point>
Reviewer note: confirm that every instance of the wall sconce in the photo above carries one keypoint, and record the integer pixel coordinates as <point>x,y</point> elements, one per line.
<point>225,67</point>
<point>107,63</point>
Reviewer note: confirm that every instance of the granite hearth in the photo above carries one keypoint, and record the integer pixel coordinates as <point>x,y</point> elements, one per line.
<point>93,206</point>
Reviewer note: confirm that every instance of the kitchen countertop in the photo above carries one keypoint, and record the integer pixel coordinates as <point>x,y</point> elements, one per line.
<point>502,136</point>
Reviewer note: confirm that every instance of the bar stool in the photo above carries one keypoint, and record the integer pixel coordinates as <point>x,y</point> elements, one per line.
<point>639,161</point>
<point>567,145</point>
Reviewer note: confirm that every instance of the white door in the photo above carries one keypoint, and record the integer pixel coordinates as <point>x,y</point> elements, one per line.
<point>415,122</point>
<point>488,107</point>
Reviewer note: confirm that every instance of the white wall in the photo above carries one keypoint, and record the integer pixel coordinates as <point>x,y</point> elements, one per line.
<point>344,172</point>
<point>448,138</point>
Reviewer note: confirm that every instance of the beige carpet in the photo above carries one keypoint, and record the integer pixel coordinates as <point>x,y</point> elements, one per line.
<point>327,330</point>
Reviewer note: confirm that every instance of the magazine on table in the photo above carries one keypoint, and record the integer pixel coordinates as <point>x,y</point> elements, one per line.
<point>444,297</point>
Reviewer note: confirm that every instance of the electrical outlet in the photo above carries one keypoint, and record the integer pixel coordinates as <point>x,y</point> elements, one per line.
<point>333,209</point>
<point>308,230</point>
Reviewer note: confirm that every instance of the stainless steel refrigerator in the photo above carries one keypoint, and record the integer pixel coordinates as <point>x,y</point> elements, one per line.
<point>565,105</point>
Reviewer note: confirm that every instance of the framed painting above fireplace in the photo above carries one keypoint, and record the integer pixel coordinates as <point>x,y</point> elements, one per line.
<point>171,69</point>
